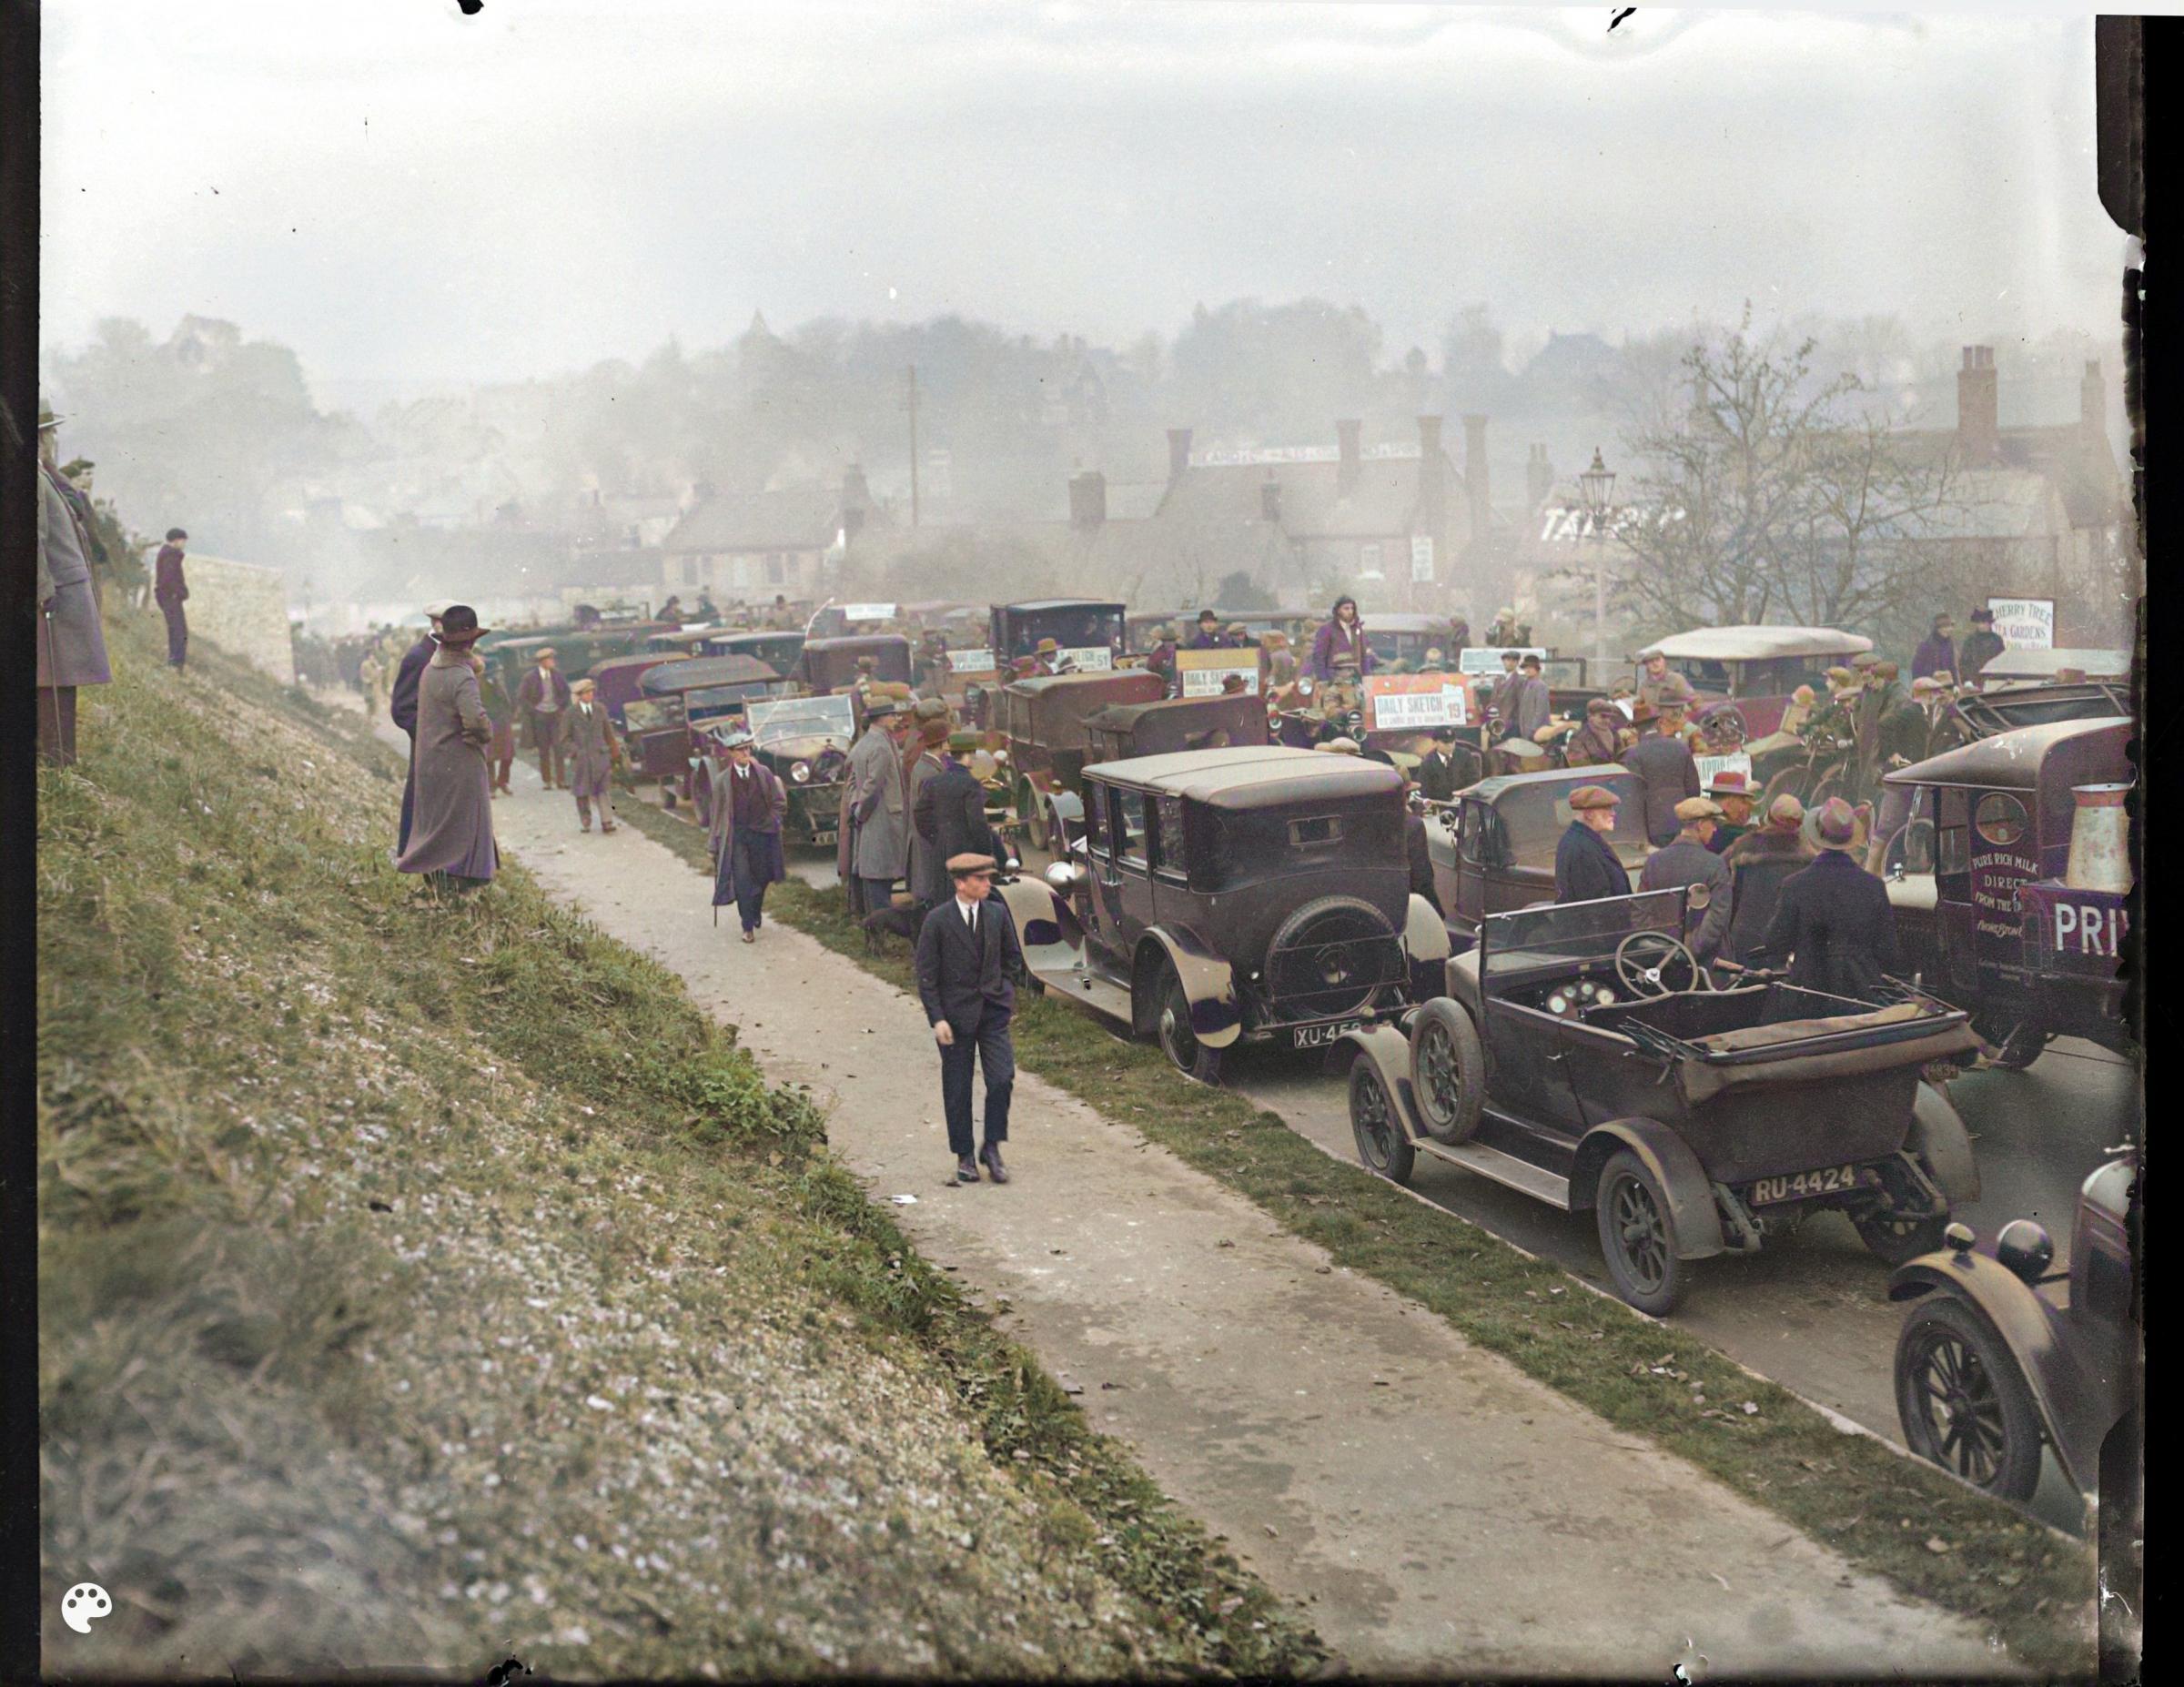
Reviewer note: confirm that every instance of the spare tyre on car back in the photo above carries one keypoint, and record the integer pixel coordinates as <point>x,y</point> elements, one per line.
<point>1329,956</point>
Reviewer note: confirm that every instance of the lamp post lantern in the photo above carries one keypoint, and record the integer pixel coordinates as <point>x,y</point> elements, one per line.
<point>1598,486</point>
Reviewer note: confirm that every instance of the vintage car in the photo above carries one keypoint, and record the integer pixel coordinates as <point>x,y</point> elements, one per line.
<point>831,664</point>
<point>778,649</point>
<point>1744,676</point>
<point>2004,1352</point>
<point>1251,893</point>
<point>575,651</point>
<point>1040,726</point>
<point>1121,730</point>
<point>1583,1056</point>
<point>1089,632</point>
<point>1394,636</point>
<point>2011,882</point>
<point>806,741</point>
<point>2048,667</point>
<point>619,679</point>
<point>682,706</point>
<point>1297,625</point>
<point>1493,846</point>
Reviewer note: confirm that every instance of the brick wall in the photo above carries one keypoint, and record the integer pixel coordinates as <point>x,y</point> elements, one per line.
<point>243,608</point>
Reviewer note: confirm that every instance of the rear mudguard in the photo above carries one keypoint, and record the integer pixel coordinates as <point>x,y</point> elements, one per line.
<point>1389,1051</point>
<point>1215,1019</point>
<point>2078,1403</point>
<point>1938,1138</point>
<point>1425,933</point>
<point>1067,810</point>
<point>1690,1208</point>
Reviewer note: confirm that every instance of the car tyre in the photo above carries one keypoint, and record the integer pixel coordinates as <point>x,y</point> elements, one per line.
<point>2019,1044</point>
<point>1383,1147</point>
<point>1638,1235</point>
<point>1031,809</point>
<point>1963,1400</point>
<point>1192,1058</point>
<point>1447,1070</point>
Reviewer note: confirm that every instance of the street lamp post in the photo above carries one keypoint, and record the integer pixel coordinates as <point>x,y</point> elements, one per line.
<point>1598,485</point>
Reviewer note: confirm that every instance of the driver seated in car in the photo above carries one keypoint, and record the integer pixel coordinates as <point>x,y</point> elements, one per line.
<point>1688,862</point>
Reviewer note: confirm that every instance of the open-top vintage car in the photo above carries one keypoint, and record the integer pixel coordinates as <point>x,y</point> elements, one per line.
<point>1745,676</point>
<point>2011,882</point>
<point>1493,846</point>
<point>1040,724</point>
<point>1253,893</point>
<point>805,741</point>
<point>1584,1058</point>
<point>1088,632</point>
<point>2005,1351</point>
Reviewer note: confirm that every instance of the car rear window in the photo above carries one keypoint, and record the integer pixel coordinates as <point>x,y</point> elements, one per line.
<point>1231,847</point>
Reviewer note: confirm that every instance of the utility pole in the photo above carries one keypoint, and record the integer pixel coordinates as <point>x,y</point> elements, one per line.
<point>912,445</point>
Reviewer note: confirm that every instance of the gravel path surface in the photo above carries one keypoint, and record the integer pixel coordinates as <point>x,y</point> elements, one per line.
<point>1436,1508</point>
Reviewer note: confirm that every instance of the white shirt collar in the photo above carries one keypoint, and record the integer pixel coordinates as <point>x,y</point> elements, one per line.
<point>969,909</point>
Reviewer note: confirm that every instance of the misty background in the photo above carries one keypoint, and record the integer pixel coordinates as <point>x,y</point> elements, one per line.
<point>398,301</point>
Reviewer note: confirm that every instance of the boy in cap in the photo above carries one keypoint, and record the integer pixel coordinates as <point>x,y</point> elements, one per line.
<point>1832,922</point>
<point>1733,790</point>
<point>967,960</point>
<point>1689,862</point>
<point>1586,866</point>
<point>591,754</point>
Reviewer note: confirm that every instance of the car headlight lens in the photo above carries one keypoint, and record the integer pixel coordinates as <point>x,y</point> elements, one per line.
<point>801,772</point>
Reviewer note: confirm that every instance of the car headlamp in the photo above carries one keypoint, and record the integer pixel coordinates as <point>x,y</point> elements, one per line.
<point>801,772</point>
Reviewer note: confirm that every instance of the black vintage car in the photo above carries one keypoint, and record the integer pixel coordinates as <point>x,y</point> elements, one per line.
<point>1089,632</point>
<point>1494,845</point>
<point>2005,1351</point>
<point>1583,1056</point>
<point>806,741</point>
<point>1039,725</point>
<point>1255,892</point>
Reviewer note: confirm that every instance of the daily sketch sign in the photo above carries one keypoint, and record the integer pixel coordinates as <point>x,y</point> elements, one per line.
<point>1203,672</point>
<point>1412,702</point>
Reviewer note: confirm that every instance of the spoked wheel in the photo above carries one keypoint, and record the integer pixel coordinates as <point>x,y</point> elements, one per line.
<point>1382,1145</point>
<point>1638,1235</point>
<point>1964,1402</point>
<point>1447,1070</point>
<point>1037,831</point>
<point>1192,1058</point>
<point>2011,1045</point>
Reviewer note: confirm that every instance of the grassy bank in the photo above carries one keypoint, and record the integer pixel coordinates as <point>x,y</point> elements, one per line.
<point>423,1283</point>
<point>1926,1534</point>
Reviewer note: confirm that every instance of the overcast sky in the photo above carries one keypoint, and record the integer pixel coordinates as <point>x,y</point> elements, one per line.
<point>406,195</point>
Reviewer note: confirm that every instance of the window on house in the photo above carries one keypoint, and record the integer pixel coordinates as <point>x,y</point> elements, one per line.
<point>1369,562</point>
<point>777,573</point>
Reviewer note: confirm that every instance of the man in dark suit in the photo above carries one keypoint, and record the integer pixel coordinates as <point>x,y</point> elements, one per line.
<point>967,961</point>
<point>1832,921</point>
<point>1586,866</point>
<point>401,709</point>
<point>1665,770</point>
<point>1437,768</point>
<point>1419,852</point>
<point>170,590</point>
<point>950,818</point>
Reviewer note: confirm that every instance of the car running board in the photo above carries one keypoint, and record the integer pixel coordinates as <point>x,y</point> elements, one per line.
<point>1502,1168</point>
<point>1088,989</point>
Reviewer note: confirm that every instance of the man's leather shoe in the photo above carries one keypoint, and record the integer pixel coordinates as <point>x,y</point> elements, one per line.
<point>991,1155</point>
<point>966,1170</point>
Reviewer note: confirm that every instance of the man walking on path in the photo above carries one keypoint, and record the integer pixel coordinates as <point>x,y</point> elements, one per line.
<point>170,592</point>
<point>540,698</point>
<point>72,645</point>
<point>967,959</point>
<point>454,831</point>
<point>748,804</point>
<point>879,811</point>
<point>1665,770</point>
<point>592,753</point>
<point>401,709</point>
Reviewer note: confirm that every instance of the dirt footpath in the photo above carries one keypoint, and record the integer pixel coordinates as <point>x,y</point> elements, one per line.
<point>1435,1509</point>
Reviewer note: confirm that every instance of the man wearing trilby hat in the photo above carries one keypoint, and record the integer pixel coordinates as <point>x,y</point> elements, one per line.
<point>453,833</point>
<point>1832,922</point>
<point>967,961</point>
<point>1732,789</point>
<point>72,646</point>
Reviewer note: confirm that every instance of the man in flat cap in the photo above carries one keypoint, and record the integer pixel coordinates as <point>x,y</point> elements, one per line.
<point>1586,866</point>
<point>590,752</point>
<point>540,698</point>
<point>748,804</point>
<point>1664,768</point>
<point>1688,862</point>
<point>1832,922</point>
<point>1657,679</point>
<point>170,590</point>
<point>401,707</point>
<point>1437,767</point>
<point>967,961</point>
<point>1599,740</point>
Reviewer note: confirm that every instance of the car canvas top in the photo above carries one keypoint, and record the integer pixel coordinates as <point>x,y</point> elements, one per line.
<point>2045,664</point>
<point>1759,643</point>
<point>1253,776</point>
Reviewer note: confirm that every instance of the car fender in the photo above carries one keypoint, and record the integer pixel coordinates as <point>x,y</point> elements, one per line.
<point>2053,1371</point>
<point>1209,982</point>
<point>1690,1208</point>
<point>1938,1137</point>
<point>1389,1051</point>
<point>1425,933</point>
<point>1044,920</point>
<point>1067,808</point>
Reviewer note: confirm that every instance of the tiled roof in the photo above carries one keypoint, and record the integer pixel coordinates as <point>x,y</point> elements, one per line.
<point>795,517</point>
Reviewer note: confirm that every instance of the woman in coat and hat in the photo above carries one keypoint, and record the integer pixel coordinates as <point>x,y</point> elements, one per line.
<point>1833,922</point>
<point>451,828</point>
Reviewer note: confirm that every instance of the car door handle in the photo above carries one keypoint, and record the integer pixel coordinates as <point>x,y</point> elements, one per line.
<point>1558,1055</point>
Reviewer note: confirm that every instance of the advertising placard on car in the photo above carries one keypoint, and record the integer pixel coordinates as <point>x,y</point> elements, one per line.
<point>1204,671</point>
<point>2025,623</point>
<point>1487,657</point>
<point>1405,702</point>
<point>868,611</point>
<point>972,663</point>
<point>1088,658</point>
<point>1709,765</point>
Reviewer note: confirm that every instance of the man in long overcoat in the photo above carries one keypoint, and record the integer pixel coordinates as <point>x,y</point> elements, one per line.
<point>72,645</point>
<point>540,700</point>
<point>453,829</point>
<point>878,802</point>
<point>591,754</point>
<point>1530,703</point>
<point>748,804</point>
<point>924,872</point>
<point>1664,768</point>
<point>949,819</point>
<point>1586,866</point>
<point>1832,921</point>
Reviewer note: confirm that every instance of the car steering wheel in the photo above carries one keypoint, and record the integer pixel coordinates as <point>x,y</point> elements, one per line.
<point>1632,962</point>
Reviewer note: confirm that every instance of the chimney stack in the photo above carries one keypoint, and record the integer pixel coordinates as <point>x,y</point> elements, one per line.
<point>1269,498</point>
<point>1432,478</point>
<point>856,499</point>
<point>2093,402</point>
<point>1352,468</point>
<point>1539,477</point>
<point>1474,480</point>
<point>1979,403</point>
<point>1178,453</point>
<point>1087,499</point>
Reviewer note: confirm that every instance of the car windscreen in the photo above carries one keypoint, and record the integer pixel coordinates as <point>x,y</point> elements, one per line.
<point>1534,817</point>
<point>1707,675</point>
<point>1232,847</point>
<point>804,717</point>
<point>1569,933</point>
